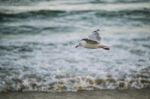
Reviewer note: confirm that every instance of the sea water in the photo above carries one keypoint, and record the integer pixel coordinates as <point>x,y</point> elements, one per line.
<point>38,39</point>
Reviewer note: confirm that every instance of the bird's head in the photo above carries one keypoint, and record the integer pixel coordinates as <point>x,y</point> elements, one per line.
<point>81,44</point>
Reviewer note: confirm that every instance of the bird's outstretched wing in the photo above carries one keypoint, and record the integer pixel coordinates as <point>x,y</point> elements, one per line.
<point>95,36</point>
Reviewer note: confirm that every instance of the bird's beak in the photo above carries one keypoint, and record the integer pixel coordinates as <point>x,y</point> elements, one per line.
<point>76,46</point>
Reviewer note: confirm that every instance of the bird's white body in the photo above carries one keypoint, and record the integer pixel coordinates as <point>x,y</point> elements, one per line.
<point>92,42</point>
<point>88,45</point>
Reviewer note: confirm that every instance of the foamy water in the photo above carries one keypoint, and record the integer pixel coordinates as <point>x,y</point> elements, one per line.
<point>37,45</point>
<point>75,7</point>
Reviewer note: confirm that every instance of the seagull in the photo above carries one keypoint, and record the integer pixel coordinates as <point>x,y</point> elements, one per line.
<point>92,42</point>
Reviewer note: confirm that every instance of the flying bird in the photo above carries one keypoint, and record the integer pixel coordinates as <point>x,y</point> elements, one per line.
<point>92,42</point>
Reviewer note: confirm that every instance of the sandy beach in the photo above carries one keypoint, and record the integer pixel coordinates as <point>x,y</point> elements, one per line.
<point>103,94</point>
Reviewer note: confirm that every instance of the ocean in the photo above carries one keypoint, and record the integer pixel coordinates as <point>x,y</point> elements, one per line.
<point>38,39</point>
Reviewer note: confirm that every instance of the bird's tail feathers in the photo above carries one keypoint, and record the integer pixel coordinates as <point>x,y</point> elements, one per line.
<point>104,47</point>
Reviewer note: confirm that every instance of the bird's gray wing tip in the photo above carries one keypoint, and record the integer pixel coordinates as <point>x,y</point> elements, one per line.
<point>95,35</point>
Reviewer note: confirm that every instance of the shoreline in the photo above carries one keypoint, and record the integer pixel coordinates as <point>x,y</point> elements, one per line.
<point>100,94</point>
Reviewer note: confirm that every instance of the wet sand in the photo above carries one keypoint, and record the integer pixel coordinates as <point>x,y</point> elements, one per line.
<point>103,94</point>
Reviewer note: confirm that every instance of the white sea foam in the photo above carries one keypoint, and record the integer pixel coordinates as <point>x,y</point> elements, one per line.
<point>74,7</point>
<point>37,50</point>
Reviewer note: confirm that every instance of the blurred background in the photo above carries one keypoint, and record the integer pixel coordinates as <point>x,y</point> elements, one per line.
<point>38,38</point>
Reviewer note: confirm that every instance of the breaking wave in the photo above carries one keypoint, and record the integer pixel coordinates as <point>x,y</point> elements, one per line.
<point>37,42</point>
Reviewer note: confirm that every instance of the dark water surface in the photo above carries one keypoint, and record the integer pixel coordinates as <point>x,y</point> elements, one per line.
<point>37,40</point>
